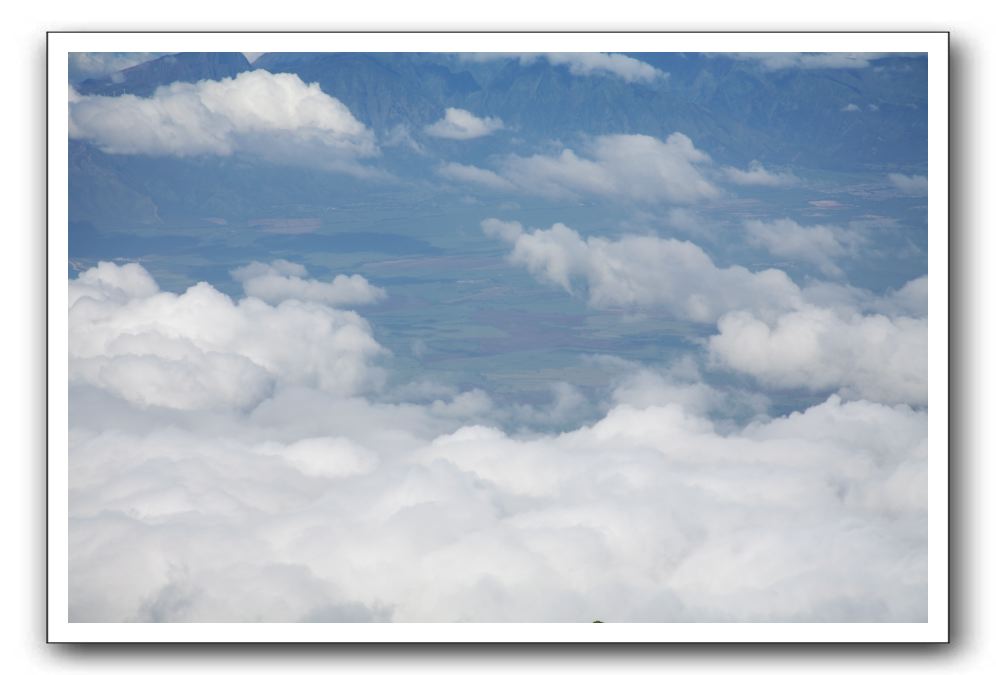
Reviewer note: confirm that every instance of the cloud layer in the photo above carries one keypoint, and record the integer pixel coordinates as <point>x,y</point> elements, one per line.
<point>823,338</point>
<point>315,504</point>
<point>273,115</point>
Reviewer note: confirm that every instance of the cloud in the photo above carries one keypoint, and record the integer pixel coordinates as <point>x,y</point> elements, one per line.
<point>319,505</point>
<point>83,65</point>
<point>584,64</point>
<point>275,116</point>
<point>824,338</point>
<point>631,166</point>
<point>687,220</point>
<point>325,457</point>
<point>621,166</point>
<point>909,300</point>
<point>680,383</point>
<point>863,356</point>
<point>826,204</point>
<point>757,175</point>
<point>465,173</point>
<point>461,125</point>
<point>595,63</point>
<point>200,349</point>
<point>282,280</point>
<point>644,271</point>
<point>913,185</point>
<point>816,244</point>
<point>830,60</point>
<point>850,107</point>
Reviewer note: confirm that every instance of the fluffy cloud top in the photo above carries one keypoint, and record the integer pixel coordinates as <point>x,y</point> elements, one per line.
<point>274,115</point>
<point>863,356</point>
<point>199,349</point>
<point>461,125</point>
<point>318,505</point>
<point>584,63</point>
<point>816,244</point>
<point>908,300</point>
<point>914,185</point>
<point>283,280</point>
<point>757,175</point>
<point>618,166</point>
<point>638,517</point>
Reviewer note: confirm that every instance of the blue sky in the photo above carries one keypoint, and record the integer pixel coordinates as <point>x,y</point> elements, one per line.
<point>538,337</point>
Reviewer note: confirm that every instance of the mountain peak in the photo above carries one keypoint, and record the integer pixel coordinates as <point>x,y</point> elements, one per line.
<point>144,78</point>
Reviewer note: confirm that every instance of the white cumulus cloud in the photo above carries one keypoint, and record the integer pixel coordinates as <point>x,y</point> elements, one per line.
<point>825,337</point>
<point>619,166</point>
<point>872,356</point>
<point>816,244</point>
<point>283,280</point>
<point>914,185</point>
<point>644,271</point>
<point>757,175</point>
<point>461,125</point>
<point>201,349</point>
<point>474,175</point>
<point>276,116</point>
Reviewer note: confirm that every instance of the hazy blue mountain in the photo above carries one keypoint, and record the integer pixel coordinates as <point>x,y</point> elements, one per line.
<point>143,79</point>
<point>798,115</point>
<point>871,120</point>
<point>735,110</point>
<point>100,191</point>
<point>382,90</point>
<point>141,190</point>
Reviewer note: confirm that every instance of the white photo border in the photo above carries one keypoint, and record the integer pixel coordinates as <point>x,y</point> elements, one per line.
<point>934,44</point>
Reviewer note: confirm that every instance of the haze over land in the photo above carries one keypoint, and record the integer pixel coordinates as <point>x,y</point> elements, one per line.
<point>539,337</point>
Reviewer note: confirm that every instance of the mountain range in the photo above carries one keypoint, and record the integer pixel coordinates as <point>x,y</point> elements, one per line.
<point>871,118</point>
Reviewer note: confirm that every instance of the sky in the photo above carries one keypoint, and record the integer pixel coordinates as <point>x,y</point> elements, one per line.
<point>480,337</point>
